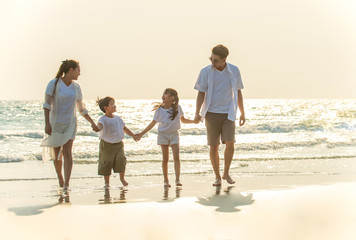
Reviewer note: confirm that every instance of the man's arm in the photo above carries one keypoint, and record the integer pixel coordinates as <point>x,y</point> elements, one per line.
<point>241,108</point>
<point>199,103</point>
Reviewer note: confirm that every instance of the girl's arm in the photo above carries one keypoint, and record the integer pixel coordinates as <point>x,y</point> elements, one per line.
<point>148,128</point>
<point>128,132</point>
<point>185,120</point>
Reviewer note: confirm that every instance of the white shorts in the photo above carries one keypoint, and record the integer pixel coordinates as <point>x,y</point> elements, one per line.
<point>167,138</point>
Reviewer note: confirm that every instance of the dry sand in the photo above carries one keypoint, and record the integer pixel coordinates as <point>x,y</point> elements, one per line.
<point>323,207</point>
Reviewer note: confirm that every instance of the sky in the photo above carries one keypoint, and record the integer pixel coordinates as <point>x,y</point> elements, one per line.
<point>136,49</point>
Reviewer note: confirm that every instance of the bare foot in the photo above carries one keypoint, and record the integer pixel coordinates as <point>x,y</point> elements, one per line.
<point>217,183</point>
<point>228,179</point>
<point>166,184</point>
<point>123,181</point>
<point>178,183</point>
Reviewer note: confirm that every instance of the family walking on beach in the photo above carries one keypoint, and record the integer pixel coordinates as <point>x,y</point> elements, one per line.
<point>219,96</point>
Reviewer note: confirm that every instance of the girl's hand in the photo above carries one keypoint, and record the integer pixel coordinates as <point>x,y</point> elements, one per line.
<point>48,129</point>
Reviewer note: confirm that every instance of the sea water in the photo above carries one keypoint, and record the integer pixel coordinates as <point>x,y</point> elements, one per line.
<point>278,130</point>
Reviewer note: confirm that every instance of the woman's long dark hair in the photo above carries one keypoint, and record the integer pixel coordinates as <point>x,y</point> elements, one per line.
<point>171,92</point>
<point>63,69</point>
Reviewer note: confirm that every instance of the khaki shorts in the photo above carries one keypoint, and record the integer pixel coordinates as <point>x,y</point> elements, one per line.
<point>111,156</point>
<point>219,127</point>
<point>167,138</point>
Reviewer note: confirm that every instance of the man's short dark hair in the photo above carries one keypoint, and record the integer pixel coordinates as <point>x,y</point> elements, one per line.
<point>221,51</point>
<point>104,102</point>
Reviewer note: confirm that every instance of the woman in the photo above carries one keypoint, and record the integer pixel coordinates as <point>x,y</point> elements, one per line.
<point>63,96</point>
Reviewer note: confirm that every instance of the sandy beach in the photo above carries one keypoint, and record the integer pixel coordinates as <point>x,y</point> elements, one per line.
<point>269,207</point>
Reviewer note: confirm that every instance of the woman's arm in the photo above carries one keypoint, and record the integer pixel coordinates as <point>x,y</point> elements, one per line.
<point>48,127</point>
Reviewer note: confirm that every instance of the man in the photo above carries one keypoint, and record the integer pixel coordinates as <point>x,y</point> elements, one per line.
<point>219,86</point>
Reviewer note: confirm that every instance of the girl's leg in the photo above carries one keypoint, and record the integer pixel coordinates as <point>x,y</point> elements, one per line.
<point>68,162</point>
<point>58,166</point>
<point>165,154</point>
<point>175,150</point>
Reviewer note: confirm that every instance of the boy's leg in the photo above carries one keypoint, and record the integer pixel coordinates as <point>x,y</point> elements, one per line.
<point>58,166</point>
<point>165,155</point>
<point>107,181</point>
<point>68,162</point>
<point>122,179</point>
<point>175,150</point>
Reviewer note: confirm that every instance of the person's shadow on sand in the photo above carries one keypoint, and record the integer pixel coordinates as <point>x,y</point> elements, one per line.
<point>226,202</point>
<point>35,210</point>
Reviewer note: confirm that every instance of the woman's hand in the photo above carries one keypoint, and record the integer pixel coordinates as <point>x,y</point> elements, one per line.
<point>48,129</point>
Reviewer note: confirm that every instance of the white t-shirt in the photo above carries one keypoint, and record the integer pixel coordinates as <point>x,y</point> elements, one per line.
<point>113,129</point>
<point>162,116</point>
<point>221,97</point>
<point>66,101</point>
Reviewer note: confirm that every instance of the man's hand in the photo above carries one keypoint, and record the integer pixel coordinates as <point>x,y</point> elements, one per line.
<point>242,120</point>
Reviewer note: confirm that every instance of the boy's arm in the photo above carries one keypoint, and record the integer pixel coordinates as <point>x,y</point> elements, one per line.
<point>128,132</point>
<point>99,127</point>
<point>185,120</point>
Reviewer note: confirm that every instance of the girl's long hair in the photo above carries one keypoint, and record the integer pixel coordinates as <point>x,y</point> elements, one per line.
<point>171,92</point>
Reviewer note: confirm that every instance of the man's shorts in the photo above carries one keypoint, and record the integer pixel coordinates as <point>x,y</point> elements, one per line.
<point>168,138</point>
<point>219,127</point>
<point>111,156</point>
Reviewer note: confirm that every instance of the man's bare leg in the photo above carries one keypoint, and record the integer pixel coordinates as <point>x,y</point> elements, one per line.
<point>214,158</point>
<point>228,155</point>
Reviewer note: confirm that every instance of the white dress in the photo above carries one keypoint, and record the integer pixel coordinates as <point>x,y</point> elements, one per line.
<point>62,105</point>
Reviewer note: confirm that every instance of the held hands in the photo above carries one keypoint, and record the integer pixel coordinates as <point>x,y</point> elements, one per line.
<point>95,128</point>
<point>137,137</point>
<point>197,118</point>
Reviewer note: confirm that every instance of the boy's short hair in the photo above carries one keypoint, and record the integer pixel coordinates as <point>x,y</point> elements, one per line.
<point>104,102</point>
<point>221,51</point>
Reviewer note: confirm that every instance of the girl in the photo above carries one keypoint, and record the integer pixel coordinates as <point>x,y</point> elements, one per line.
<point>62,97</point>
<point>168,114</point>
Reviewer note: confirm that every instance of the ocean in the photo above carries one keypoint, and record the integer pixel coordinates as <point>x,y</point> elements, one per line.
<point>309,133</point>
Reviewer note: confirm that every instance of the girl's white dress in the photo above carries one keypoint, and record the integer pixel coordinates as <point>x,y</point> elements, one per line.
<point>62,105</point>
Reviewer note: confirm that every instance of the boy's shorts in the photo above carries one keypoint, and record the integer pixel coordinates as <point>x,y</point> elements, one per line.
<point>168,138</point>
<point>218,126</point>
<point>111,156</point>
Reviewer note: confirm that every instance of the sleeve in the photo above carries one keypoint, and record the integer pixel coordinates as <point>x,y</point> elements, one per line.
<point>239,80</point>
<point>101,120</point>
<point>49,99</point>
<point>80,105</point>
<point>156,116</point>
<point>122,122</point>
<point>180,111</point>
<point>202,82</point>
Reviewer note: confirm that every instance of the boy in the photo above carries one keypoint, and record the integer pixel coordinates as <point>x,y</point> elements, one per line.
<point>111,149</point>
